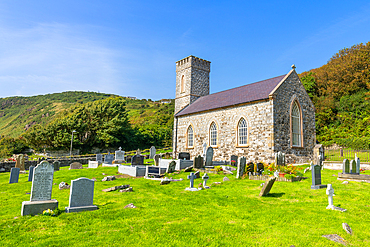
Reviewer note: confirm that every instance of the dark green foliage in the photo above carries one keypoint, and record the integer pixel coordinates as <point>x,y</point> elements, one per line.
<point>10,146</point>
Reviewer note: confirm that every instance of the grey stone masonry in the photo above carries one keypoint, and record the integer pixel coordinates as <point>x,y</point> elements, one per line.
<point>194,73</point>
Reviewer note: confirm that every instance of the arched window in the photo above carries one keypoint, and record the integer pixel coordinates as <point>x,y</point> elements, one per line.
<point>213,134</point>
<point>242,132</point>
<point>182,85</point>
<point>190,137</point>
<point>296,125</point>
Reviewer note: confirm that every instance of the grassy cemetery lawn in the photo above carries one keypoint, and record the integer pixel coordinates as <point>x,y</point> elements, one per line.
<point>228,214</point>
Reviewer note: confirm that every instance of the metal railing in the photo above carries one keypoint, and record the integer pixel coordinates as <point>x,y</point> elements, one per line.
<point>346,153</point>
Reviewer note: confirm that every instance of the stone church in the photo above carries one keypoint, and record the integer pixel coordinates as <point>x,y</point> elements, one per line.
<point>256,120</point>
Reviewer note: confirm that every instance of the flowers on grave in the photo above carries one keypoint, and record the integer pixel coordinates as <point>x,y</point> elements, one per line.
<point>217,169</point>
<point>288,171</point>
<point>48,212</point>
<point>233,162</point>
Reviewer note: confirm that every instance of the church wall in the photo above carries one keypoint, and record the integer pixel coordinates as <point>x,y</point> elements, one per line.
<point>283,96</point>
<point>259,118</point>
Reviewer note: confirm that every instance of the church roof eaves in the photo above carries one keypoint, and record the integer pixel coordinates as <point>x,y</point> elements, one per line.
<point>235,96</point>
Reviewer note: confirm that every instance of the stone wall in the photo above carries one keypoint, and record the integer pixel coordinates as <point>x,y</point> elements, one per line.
<point>292,89</point>
<point>259,118</point>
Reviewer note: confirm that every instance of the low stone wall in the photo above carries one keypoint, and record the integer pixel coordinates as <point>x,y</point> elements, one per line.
<point>338,165</point>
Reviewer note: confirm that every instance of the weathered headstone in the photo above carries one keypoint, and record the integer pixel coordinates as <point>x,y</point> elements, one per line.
<point>234,160</point>
<point>204,150</point>
<point>345,166</point>
<point>75,165</point>
<point>353,166</point>
<point>30,173</point>
<point>198,162</point>
<point>56,165</point>
<point>20,162</point>
<point>280,159</point>
<point>197,174</point>
<point>319,154</point>
<point>93,164</point>
<point>358,165</point>
<point>108,158</point>
<point>14,175</point>
<point>260,168</point>
<point>316,177</point>
<point>42,184</point>
<point>137,160</point>
<point>81,196</point>
<point>184,156</point>
<point>119,156</point>
<point>191,177</point>
<point>171,167</point>
<point>241,167</point>
<point>267,186</point>
<point>99,158</point>
<point>152,151</point>
<point>138,151</point>
<point>156,160</point>
<point>209,156</point>
<point>205,178</point>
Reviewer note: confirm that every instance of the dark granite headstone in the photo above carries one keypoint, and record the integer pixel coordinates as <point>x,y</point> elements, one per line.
<point>234,160</point>
<point>56,165</point>
<point>241,167</point>
<point>346,169</point>
<point>14,175</point>
<point>209,156</point>
<point>30,174</point>
<point>198,162</point>
<point>171,167</point>
<point>184,155</point>
<point>316,177</point>
<point>137,159</point>
<point>99,158</point>
<point>108,159</point>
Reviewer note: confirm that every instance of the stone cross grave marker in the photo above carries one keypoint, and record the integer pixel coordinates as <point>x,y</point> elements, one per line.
<point>119,156</point>
<point>358,165</point>
<point>234,160</point>
<point>241,167</point>
<point>267,186</point>
<point>345,166</point>
<point>42,184</point>
<point>316,177</point>
<point>93,164</point>
<point>152,152</point>
<point>108,159</point>
<point>56,165</point>
<point>191,177</point>
<point>204,150</point>
<point>209,156</point>
<point>99,158</point>
<point>330,193</point>
<point>353,166</point>
<point>205,177</point>
<point>81,196</point>
<point>171,167</point>
<point>198,162</point>
<point>14,175</point>
<point>184,156</point>
<point>75,165</point>
<point>156,160</point>
<point>30,173</point>
<point>20,162</point>
<point>137,160</point>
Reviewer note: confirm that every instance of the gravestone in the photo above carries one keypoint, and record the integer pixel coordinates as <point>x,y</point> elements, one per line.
<point>138,151</point>
<point>56,165</point>
<point>137,160</point>
<point>234,160</point>
<point>198,162</point>
<point>75,165</point>
<point>209,156</point>
<point>99,158</point>
<point>358,165</point>
<point>241,167</point>
<point>204,150</point>
<point>345,166</point>
<point>191,177</point>
<point>119,156</point>
<point>108,159</point>
<point>156,160</point>
<point>260,168</point>
<point>249,168</point>
<point>93,164</point>
<point>205,178</point>
<point>20,162</point>
<point>316,177</point>
<point>184,156</point>
<point>30,174</point>
<point>171,167</point>
<point>81,196</point>
<point>353,166</point>
<point>280,159</point>
<point>42,184</point>
<point>267,186</point>
<point>319,154</point>
<point>152,151</point>
<point>14,175</point>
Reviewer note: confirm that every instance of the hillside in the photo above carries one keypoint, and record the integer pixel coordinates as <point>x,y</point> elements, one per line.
<point>340,91</point>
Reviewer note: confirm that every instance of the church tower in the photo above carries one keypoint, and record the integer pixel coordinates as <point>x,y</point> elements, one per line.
<point>192,81</point>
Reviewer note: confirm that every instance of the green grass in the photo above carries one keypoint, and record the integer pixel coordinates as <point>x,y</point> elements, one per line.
<point>334,155</point>
<point>230,214</point>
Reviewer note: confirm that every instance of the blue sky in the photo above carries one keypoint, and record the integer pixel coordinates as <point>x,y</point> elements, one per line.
<point>130,48</point>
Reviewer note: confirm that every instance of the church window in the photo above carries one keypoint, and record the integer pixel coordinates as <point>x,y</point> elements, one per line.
<point>213,134</point>
<point>242,132</point>
<point>296,125</point>
<point>190,136</point>
<point>182,86</point>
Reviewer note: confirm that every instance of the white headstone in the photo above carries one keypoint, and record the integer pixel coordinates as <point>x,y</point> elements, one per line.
<point>152,152</point>
<point>120,155</point>
<point>93,164</point>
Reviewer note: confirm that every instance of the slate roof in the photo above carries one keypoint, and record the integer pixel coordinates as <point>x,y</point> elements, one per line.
<point>244,94</point>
